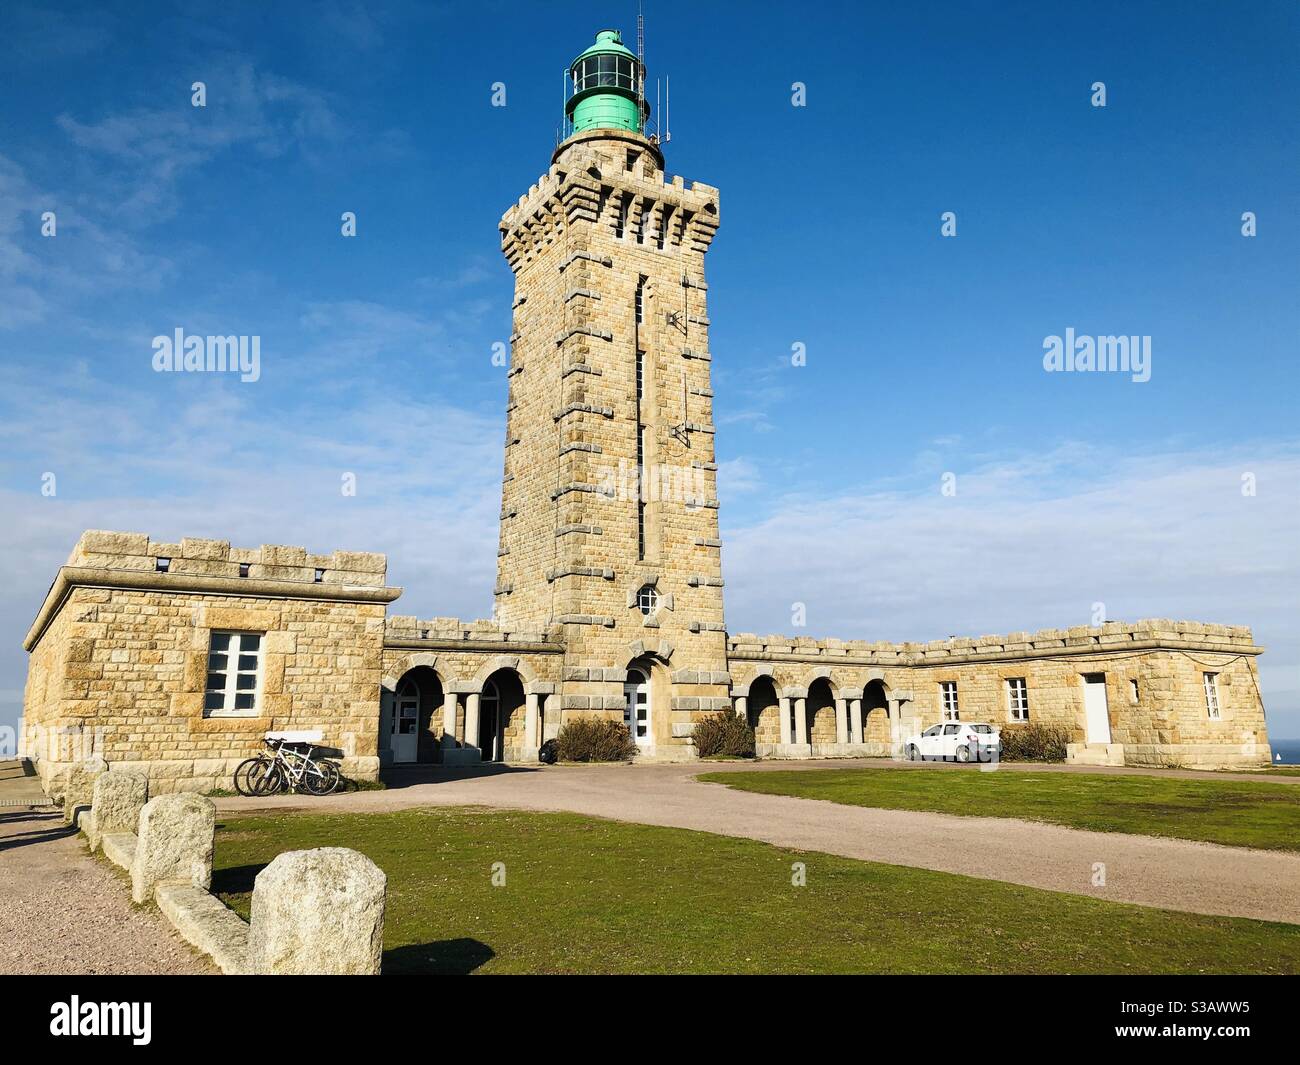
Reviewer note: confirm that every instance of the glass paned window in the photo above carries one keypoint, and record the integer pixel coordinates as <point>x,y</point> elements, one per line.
<point>1212,695</point>
<point>234,673</point>
<point>948,693</point>
<point>1018,698</point>
<point>647,599</point>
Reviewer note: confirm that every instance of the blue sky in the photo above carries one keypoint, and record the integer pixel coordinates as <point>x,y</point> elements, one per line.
<point>923,352</point>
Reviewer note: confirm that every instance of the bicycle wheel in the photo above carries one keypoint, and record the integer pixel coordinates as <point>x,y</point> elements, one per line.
<point>321,778</point>
<point>244,771</point>
<point>268,779</point>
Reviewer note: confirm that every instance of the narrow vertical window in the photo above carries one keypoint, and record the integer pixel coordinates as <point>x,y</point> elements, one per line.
<point>620,224</point>
<point>639,313</point>
<point>1212,696</point>
<point>948,691</point>
<point>640,492</point>
<point>1018,698</point>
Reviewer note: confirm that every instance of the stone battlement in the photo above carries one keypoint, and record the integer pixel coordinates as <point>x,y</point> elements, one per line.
<point>588,180</point>
<point>1114,636</point>
<point>216,558</point>
<point>403,628</point>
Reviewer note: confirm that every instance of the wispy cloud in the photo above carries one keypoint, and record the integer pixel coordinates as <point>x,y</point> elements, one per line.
<point>1034,541</point>
<point>155,146</point>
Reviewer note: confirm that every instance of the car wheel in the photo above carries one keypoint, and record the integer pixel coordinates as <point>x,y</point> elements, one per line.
<point>963,754</point>
<point>912,754</point>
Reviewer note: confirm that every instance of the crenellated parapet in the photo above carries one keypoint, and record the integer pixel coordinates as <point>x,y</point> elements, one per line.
<point>600,177</point>
<point>1115,636</point>
<point>453,633</point>
<point>217,558</point>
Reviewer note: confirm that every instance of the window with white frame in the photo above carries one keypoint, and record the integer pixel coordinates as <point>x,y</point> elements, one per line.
<point>948,692</point>
<point>1018,698</point>
<point>234,674</point>
<point>1212,695</point>
<point>647,599</point>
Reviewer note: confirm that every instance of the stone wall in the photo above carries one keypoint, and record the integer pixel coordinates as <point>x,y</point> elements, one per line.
<point>463,656</point>
<point>603,218</point>
<point>121,652</point>
<point>1154,673</point>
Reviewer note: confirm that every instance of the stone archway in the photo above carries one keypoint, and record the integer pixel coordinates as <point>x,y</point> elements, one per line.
<point>647,700</point>
<point>820,711</point>
<point>763,710</point>
<point>410,716</point>
<point>501,716</point>
<point>875,715</point>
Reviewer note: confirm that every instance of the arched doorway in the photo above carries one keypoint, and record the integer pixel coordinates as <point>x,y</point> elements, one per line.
<point>763,710</point>
<point>820,712</point>
<point>501,711</point>
<point>875,714</point>
<point>637,712</point>
<point>406,718</point>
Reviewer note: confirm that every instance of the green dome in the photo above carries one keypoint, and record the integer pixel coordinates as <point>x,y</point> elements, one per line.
<point>604,84</point>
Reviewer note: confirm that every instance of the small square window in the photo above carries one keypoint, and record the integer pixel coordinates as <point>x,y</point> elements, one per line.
<point>162,565</point>
<point>1133,691</point>
<point>243,569</point>
<point>320,576</point>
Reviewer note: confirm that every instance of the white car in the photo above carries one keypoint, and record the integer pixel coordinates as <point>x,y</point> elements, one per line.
<point>964,741</point>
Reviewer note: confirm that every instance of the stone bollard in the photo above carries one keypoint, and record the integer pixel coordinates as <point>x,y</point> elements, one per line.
<point>318,912</point>
<point>118,799</point>
<point>174,845</point>
<point>79,787</point>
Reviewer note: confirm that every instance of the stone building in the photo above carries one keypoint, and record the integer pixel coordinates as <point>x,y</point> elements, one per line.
<point>175,658</point>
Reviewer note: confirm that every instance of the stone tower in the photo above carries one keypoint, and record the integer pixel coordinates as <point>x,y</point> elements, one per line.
<point>609,515</point>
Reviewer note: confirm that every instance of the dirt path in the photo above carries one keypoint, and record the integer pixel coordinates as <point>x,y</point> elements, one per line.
<point>1175,874</point>
<point>63,912</point>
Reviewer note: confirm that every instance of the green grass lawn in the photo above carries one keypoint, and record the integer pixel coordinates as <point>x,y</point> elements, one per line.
<point>1238,813</point>
<point>589,896</point>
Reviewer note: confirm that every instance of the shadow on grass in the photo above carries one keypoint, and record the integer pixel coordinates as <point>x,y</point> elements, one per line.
<point>237,880</point>
<point>449,957</point>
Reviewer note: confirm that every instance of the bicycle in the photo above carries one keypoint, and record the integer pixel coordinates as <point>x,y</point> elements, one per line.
<point>287,768</point>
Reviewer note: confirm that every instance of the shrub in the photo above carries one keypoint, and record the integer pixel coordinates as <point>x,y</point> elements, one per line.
<point>724,735</point>
<point>1034,742</point>
<point>594,739</point>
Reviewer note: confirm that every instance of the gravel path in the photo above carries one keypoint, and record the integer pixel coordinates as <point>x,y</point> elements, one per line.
<point>1174,874</point>
<point>62,911</point>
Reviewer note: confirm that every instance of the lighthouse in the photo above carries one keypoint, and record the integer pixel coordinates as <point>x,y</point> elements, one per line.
<point>609,508</point>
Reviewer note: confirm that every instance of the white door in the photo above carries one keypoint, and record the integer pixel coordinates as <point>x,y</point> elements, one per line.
<point>636,708</point>
<point>1095,710</point>
<point>949,746</point>
<point>930,741</point>
<point>404,725</point>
